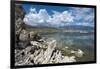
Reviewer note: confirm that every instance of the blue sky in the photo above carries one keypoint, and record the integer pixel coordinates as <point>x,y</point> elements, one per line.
<point>47,7</point>
<point>56,16</point>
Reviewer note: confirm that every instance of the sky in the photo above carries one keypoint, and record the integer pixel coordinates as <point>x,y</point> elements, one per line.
<point>58,16</point>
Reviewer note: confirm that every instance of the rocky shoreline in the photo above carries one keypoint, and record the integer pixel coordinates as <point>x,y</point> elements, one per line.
<point>31,48</point>
<point>39,53</point>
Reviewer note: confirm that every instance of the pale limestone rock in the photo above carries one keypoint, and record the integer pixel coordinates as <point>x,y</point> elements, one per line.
<point>58,57</point>
<point>78,53</point>
<point>24,35</point>
<point>41,55</point>
<point>73,51</point>
<point>68,59</point>
<point>66,47</point>
<point>49,51</point>
<point>34,43</point>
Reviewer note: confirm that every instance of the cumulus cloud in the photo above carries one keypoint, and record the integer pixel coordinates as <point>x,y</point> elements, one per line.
<point>42,17</point>
<point>75,16</point>
<point>86,24</point>
<point>33,10</point>
<point>85,14</point>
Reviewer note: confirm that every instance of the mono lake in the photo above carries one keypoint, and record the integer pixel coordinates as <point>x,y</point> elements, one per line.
<point>83,41</point>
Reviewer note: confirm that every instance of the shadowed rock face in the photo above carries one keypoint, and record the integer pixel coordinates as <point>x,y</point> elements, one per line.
<point>22,36</point>
<point>19,15</point>
<point>19,11</point>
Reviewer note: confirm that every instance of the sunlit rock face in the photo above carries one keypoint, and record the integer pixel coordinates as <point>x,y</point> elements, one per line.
<point>78,53</point>
<point>40,54</point>
<point>24,35</point>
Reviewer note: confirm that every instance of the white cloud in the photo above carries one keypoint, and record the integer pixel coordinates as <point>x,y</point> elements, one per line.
<point>43,18</point>
<point>33,10</point>
<point>57,19</point>
<point>85,14</point>
<point>67,17</point>
<point>86,24</point>
<point>43,14</point>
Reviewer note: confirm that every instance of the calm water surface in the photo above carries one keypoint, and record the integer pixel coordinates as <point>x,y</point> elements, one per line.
<point>83,41</point>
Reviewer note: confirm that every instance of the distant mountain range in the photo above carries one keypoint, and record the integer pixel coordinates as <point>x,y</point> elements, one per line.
<point>78,27</point>
<point>71,27</point>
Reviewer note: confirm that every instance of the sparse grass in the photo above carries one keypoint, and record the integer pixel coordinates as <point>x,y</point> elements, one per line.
<point>43,30</point>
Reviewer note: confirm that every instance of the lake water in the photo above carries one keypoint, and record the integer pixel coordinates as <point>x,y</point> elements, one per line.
<point>83,41</point>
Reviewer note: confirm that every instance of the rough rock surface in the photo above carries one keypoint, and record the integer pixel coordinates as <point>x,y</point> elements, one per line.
<point>78,53</point>
<point>19,25</point>
<point>24,35</point>
<point>31,48</point>
<point>19,15</point>
<point>40,54</point>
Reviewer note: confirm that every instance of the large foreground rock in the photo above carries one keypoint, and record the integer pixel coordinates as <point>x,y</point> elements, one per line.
<point>37,54</point>
<point>24,35</point>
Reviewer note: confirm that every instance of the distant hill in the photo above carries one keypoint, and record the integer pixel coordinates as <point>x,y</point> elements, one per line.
<point>29,26</point>
<point>72,27</point>
<point>78,27</point>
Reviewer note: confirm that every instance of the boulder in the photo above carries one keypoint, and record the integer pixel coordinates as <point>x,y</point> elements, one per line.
<point>37,37</point>
<point>38,44</point>
<point>68,59</point>
<point>49,51</point>
<point>18,26</point>
<point>78,53</point>
<point>37,54</point>
<point>24,35</point>
<point>31,35</point>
